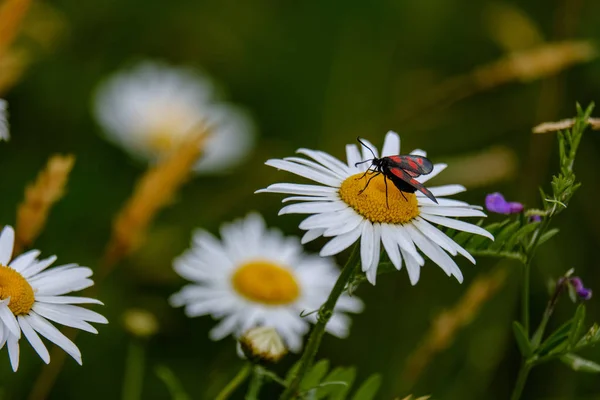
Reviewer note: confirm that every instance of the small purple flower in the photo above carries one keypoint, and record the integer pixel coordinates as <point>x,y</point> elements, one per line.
<point>583,292</point>
<point>535,218</point>
<point>496,203</point>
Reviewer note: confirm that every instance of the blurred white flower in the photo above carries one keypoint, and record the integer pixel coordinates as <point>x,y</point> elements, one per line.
<point>255,276</point>
<point>151,108</point>
<point>4,130</point>
<point>31,296</point>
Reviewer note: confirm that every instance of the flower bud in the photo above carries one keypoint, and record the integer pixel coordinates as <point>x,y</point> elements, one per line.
<point>140,323</point>
<point>262,344</point>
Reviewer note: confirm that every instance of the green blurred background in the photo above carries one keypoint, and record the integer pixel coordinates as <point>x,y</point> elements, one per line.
<point>313,74</point>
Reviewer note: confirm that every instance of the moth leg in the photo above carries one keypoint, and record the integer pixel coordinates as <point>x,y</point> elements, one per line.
<point>369,181</point>
<point>402,193</point>
<point>386,192</point>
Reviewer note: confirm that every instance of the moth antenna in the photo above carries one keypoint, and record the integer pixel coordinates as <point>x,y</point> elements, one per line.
<point>364,145</point>
<point>362,162</point>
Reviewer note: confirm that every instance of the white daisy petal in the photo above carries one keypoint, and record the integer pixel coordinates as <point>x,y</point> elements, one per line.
<point>367,245</point>
<point>447,190</point>
<point>312,207</point>
<point>7,240</point>
<point>412,267</point>
<point>458,225</point>
<point>304,171</point>
<point>342,242</point>
<point>8,319</point>
<point>327,160</point>
<point>372,268</point>
<point>311,235</point>
<point>300,189</point>
<point>24,260</point>
<point>419,152</point>
<point>437,169</point>
<point>34,339</point>
<point>366,151</point>
<point>4,129</point>
<point>353,155</point>
<point>451,211</point>
<point>391,246</point>
<point>391,144</point>
<point>13,351</point>
<point>47,330</point>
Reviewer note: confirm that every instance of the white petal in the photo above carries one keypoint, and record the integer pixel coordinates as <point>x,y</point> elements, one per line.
<point>36,267</point>
<point>8,318</point>
<point>412,267</point>
<point>458,225</point>
<point>305,172</point>
<point>327,160</point>
<point>225,327</point>
<point>367,245</point>
<point>342,242</point>
<point>311,235</point>
<point>310,198</point>
<point>67,300</point>
<point>447,190</point>
<point>24,260</point>
<point>451,211</point>
<point>372,271</point>
<point>13,351</point>
<point>7,240</point>
<point>34,339</point>
<point>313,207</point>
<point>366,151</point>
<point>62,318</point>
<point>391,144</point>
<point>391,246</point>
<point>316,167</point>
<point>405,242</point>
<point>350,223</point>
<point>437,168</point>
<point>352,155</point>
<point>300,189</point>
<point>47,330</point>
<point>434,234</point>
<point>419,152</point>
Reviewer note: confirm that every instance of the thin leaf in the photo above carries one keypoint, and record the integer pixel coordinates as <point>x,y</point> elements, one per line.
<point>337,391</point>
<point>170,380</point>
<point>368,389</point>
<point>519,235</point>
<point>314,376</point>
<point>504,235</point>
<point>577,327</point>
<point>590,338</point>
<point>522,340</point>
<point>580,364</point>
<point>548,235</point>
<point>291,372</point>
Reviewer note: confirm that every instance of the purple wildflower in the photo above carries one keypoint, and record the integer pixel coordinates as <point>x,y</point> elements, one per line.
<point>535,218</point>
<point>496,203</point>
<point>583,292</point>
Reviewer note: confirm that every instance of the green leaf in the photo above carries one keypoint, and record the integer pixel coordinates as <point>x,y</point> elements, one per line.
<point>291,372</point>
<point>590,338</point>
<point>580,364</point>
<point>314,376</point>
<point>368,389</point>
<point>557,340</point>
<point>577,327</point>
<point>504,235</point>
<point>170,380</point>
<point>548,235</point>
<point>332,388</point>
<point>522,340</point>
<point>521,234</point>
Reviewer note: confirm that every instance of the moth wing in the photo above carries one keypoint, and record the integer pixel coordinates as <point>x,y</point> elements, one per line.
<point>406,177</point>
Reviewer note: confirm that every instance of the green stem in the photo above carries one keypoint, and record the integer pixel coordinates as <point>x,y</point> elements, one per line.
<point>521,380</point>
<point>134,371</point>
<point>255,384</point>
<point>525,298</point>
<point>234,383</point>
<point>325,313</point>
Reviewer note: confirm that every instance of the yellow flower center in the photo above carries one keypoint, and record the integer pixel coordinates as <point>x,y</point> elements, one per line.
<point>265,282</point>
<point>371,203</point>
<point>13,285</point>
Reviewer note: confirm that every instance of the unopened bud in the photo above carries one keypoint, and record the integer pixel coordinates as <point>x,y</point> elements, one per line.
<point>140,323</point>
<point>262,344</point>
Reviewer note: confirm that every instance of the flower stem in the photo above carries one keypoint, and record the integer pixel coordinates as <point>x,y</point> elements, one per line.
<point>234,383</point>
<point>134,371</point>
<point>325,313</point>
<point>521,379</point>
<point>255,384</point>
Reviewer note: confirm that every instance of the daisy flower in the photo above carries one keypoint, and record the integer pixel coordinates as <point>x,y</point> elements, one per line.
<point>152,108</point>
<point>341,208</point>
<point>4,131</point>
<point>255,276</point>
<point>31,296</point>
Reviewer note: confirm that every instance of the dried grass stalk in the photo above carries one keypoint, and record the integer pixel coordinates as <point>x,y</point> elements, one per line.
<point>154,191</point>
<point>47,189</point>
<point>447,324</point>
<point>564,124</point>
<point>11,16</point>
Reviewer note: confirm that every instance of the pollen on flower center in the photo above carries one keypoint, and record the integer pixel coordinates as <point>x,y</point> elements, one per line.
<point>265,282</point>
<point>13,285</point>
<point>371,203</point>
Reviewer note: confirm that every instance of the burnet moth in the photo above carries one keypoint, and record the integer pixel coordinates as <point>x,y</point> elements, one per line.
<point>401,170</point>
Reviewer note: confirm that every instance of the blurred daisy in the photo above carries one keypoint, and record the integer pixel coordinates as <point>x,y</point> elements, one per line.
<point>4,131</point>
<point>30,298</point>
<point>342,208</point>
<point>152,108</point>
<point>254,277</point>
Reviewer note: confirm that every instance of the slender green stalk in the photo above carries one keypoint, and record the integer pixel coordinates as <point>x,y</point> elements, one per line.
<point>134,371</point>
<point>521,380</point>
<point>234,383</point>
<point>325,313</point>
<point>255,384</point>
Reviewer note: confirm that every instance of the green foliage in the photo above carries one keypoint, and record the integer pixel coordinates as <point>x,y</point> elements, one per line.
<point>170,380</point>
<point>322,383</point>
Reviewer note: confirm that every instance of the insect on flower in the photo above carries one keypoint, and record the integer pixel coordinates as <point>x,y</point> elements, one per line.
<point>401,170</point>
